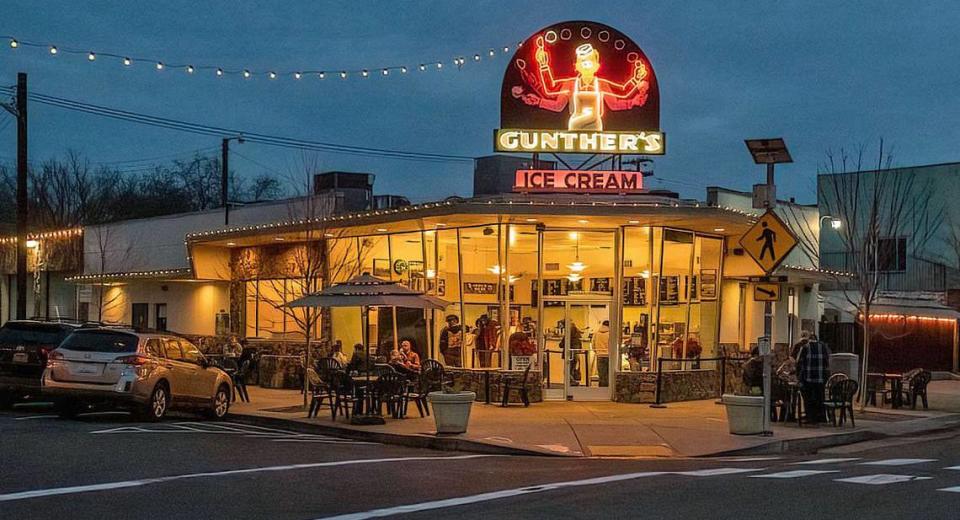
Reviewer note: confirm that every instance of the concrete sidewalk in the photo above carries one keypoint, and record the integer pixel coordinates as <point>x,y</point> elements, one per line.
<point>689,429</point>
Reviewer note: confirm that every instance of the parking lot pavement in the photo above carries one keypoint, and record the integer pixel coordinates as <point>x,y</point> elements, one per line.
<point>107,466</point>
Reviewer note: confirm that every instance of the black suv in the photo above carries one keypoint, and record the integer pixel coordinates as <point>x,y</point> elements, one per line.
<point>24,345</point>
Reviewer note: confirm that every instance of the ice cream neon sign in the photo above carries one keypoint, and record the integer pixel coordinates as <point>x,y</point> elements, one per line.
<point>580,87</point>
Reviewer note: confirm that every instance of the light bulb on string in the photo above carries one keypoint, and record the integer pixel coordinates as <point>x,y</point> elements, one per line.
<point>219,72</point>
<point>476,57</point>
<point>159,65</point>
<point>53,49</point>
<point>127,61</point>
<point>506,49</point>
<point>386,71</point>
<point>246,73</point>
<point>439,65</point>
<point>272,75</point>
<point>423,67</point>
<point>91,56</point>
<point>322,75</point>
<point>14,43</point>
<point>403,70</point>
<point>493,53</point>
<point>190,69</point>
<point>297,75</point>
<point>343,74</point>
<point>365,73</point>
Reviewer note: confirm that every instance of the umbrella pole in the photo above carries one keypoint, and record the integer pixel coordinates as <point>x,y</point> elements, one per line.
<point>396,340</point>
<point>367,417</point>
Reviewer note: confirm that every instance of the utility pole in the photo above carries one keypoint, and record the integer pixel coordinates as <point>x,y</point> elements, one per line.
<point>225,176</point>
<point>19,110</point>
<point>225,179</point>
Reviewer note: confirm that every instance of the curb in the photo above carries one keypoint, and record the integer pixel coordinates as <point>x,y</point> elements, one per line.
<point>441,443</point>
<point>810,445</point>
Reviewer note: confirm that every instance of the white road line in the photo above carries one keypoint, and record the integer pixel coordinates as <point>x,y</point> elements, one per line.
<point>896,462</point>
<point>955,468</point>
<point>486,497</point>
<point>881,478</point>
<point>748,459</point>
<point>261,428</point>
<point>715,471</point>
<point>9,497</point>
<point>123,429</point>
<point>797,473</point>
<point>32,417</point>
<point>827,461</point>
<point>955,489</point>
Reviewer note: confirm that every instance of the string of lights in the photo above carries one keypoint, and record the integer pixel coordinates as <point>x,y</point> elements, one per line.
<point>159,65</point>
<point>254,137</point>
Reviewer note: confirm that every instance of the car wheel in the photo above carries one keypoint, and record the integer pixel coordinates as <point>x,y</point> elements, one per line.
<point>221,403</point>
<point>157,406</point>
<point>6,400</point>
<point>67,409</point>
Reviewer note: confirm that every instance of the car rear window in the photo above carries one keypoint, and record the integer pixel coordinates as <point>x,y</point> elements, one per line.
<point>100,341</point>
<point>32,334</point>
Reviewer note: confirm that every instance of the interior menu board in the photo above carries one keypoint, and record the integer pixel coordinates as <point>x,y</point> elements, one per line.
<point>708,284</point>
<point>634,291</point>
<point>600,285</point>
<point>554,287</point>
<point>669,290</point>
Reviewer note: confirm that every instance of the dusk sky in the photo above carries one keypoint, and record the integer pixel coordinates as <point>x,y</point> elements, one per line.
<point>820,74</point>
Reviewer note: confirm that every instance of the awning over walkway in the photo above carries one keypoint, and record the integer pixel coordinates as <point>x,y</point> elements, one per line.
<point>922,307</point>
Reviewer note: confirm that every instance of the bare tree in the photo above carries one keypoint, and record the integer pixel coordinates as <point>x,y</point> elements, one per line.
<point>877,208</point>
<point>108,253</point>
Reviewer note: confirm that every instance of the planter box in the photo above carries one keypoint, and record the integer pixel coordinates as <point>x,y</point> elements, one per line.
<point>744,413</point>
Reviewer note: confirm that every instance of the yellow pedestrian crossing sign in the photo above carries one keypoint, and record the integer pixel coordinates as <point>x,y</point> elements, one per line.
<point>769,241</point>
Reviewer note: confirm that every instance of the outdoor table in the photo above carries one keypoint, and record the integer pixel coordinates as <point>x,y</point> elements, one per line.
<point>896,388</point>
<point>360,383</point>
<point>882,380</point>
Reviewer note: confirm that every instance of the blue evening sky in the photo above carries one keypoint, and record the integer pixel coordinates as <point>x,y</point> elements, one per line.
<point>821,74</point>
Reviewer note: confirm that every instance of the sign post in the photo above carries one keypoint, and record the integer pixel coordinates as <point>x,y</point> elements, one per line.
<point>768,242</point>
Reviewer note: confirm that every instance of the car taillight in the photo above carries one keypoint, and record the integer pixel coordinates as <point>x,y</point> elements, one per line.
<point>136,360</point>
<point>52,356</point>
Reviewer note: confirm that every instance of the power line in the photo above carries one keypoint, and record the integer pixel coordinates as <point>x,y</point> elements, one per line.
<point>214,131</point>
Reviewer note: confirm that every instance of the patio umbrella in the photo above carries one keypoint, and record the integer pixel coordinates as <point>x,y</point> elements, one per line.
<point>367,291</point>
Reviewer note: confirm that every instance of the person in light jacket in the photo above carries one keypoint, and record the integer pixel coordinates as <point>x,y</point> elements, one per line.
<point>601,347</point>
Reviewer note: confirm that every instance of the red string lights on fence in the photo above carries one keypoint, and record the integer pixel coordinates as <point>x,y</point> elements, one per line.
<point>159,65</point>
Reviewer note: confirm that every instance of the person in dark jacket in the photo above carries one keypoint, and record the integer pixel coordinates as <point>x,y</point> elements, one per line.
<point>813,369</point>
<point>451,342</point>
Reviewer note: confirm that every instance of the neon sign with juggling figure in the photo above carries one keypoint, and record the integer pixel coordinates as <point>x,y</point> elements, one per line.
<point>580,87</point>
<point>586,93</point>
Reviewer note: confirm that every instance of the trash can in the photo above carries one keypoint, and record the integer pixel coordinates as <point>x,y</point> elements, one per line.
<point>744,413</point>
<point>844,363</point>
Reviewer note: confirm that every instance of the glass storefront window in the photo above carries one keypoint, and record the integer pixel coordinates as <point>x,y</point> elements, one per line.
<point>638,303</point>
<point>482,280</point>
<point>444,259</point>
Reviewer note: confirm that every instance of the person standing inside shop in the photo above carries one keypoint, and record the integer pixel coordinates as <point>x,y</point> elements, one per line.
<point>451,342</point>
<point>812,372</point>
<point>573,353</point>
<point>601,347</point>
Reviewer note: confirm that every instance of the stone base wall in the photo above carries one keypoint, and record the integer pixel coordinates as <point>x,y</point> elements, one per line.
<point>473,381</point>
<point>681,385</point>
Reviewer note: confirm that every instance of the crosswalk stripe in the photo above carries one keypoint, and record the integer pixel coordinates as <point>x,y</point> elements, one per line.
<point>797,473</point>
<point>881,478</point>
<point>826,461</point>
<point>896,462</point>
<point>716,471</point>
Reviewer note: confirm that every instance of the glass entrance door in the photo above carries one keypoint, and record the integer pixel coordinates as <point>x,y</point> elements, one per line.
<point>576,350</point>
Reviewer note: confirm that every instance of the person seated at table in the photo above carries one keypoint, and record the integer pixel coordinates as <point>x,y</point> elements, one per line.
<point>753,373</point>
<point>336,352</point>
<point>409,359</point>
<point>357,362</point>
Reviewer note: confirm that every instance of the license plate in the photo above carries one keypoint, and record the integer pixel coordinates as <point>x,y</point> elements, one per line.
<point>20,357</point>
<point>88,369</point>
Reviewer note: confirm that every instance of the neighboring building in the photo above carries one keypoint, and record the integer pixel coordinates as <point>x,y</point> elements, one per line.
<point>916,264</point>
<point>51,256</point>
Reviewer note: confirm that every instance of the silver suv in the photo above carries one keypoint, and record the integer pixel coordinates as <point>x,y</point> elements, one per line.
<point>149,373</point>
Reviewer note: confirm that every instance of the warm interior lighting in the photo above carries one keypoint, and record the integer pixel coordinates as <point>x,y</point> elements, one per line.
<point>495,269</point>
<point>431,274</point>
<point>231,244</point>
<point>279,239</point>
<point>33,244</point>
<point>577,266</point>
<point>634,221</point>
<point>574,277</point>
<point>645,274</point>
<point>719,230</point>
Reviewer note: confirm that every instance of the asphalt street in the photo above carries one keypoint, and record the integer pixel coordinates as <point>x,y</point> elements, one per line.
<point>108,466</point>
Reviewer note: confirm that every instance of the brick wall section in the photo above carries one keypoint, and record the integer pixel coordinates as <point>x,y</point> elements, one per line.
<point>685,385</point>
